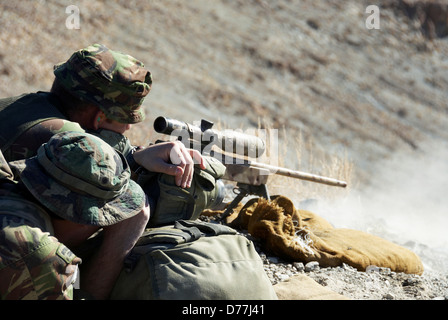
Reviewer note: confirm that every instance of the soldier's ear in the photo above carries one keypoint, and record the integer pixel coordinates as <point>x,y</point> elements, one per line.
<point>98,118</point>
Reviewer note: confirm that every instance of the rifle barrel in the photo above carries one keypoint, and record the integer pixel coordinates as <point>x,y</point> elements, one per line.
<point>300,175</point>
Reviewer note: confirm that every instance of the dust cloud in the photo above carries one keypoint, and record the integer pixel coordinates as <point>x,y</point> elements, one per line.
<point>406,202</point>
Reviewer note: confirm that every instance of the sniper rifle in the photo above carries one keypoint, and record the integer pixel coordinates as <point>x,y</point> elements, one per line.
<point>251,176</point>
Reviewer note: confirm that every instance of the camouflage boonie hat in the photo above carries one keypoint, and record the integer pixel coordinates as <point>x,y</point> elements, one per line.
<point>82,179</point>
<point>116,82</point>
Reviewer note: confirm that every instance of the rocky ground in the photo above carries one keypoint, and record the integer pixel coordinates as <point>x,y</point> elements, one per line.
<point>373,284</point>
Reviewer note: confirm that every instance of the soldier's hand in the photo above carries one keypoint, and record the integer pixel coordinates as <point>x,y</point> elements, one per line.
<point>172,158</point>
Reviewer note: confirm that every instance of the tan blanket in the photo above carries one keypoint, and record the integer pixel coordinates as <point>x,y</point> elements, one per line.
<point>303,236</point>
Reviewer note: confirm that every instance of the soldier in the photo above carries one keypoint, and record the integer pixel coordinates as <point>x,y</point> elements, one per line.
<point>75,185</point>
<point>100,91</point>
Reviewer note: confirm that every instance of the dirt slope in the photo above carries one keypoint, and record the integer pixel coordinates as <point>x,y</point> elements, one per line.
<point>311,67</point>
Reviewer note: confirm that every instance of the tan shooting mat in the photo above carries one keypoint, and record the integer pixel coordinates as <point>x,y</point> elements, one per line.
<point>303,236</point>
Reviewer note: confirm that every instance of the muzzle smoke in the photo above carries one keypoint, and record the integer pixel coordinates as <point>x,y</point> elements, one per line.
<point>406,203</point>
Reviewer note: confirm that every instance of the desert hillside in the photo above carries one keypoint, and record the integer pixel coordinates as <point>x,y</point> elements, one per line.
<point>339,91</point>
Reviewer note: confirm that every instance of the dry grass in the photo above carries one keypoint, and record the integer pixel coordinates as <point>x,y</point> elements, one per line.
<point>307,158</point>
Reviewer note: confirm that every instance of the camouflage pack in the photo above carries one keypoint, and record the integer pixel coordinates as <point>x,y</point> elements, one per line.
<point>82,179</point>
<point>117,83</point>
<point>28,120</point>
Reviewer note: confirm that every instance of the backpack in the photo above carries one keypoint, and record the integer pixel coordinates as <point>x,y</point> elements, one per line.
<point>18,114</point>
<point>193,260</point>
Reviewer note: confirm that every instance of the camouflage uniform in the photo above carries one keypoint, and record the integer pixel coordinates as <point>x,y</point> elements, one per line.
<point>29,120</point>
<point>111,80</point>
<point>76,177</point>
<point>115,82</point>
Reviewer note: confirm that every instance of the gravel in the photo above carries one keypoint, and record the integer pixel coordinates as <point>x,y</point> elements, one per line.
<point>375,283</point>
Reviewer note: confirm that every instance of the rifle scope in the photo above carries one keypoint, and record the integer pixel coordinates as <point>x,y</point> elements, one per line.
<point>228,140</point>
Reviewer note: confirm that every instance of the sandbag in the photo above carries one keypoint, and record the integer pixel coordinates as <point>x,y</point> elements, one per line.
<point>301,235</point>
<point>302,287</point>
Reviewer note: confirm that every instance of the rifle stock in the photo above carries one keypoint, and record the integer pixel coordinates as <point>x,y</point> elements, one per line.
<point>300,175</point>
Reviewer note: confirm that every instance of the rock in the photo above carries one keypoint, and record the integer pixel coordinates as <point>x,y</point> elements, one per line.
<point>372,268</point>
<point>282,277</point>
<point>299,266</point>
<point>389,296</point>
<point>312,266</point>
<point>385,271</point>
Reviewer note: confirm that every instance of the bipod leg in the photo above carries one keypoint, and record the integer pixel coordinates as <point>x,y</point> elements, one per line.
<point>244,190</point>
